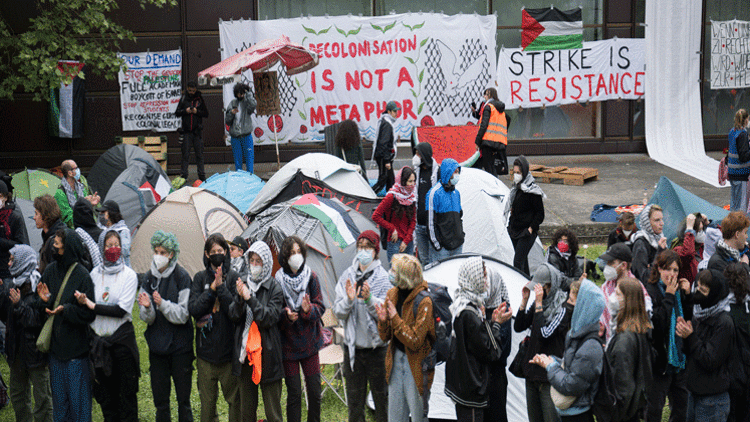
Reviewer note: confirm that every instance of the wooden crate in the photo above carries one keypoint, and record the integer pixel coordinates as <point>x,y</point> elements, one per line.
<point>575,176</point>
<point>154,145</point>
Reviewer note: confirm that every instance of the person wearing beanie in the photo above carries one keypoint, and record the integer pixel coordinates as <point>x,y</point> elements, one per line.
<point>445,214</point>
<point>237,248</point>
<point>384,151</point>
<point>525,213</point>
<point>12,228</point>
<point>396,214</point>
<point>361,287</point>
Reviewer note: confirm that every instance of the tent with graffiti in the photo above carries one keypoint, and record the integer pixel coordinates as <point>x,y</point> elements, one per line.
<point>328,227</point>
<point>318,173</point>
<point>31,183</point>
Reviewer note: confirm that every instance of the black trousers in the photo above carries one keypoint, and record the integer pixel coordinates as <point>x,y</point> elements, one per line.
<point>673,386</point>
<point>498,394</point>
<point>164,369</point>
<point>369,366</point>
<point>586,416</point>
<point>194,140</point>
<point>386,178</point>
<point>117,393</point>
<point>469,414</point>
<point>522,246</point>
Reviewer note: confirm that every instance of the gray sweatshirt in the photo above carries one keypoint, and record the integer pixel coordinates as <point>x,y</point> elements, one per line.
<point>240,124</point>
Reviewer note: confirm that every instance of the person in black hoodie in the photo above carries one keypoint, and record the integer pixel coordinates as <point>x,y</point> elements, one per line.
<point>562,255</point>
<point>384,151</point>
<point>192,109</point>
<point>708,340</point>
<point>492,137</point>
<point>83,218</point>
<point>526,210</point>
<point>426,169</point>
<point>70,376</point>
<point>211,295</point>
<point>12,228</point>
<point>47,217</point>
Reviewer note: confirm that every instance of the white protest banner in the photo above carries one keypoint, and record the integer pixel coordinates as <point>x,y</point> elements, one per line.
<point>150,89</point>
<point>431,64</point>
<point>601,70</point>
<point>730,54</point>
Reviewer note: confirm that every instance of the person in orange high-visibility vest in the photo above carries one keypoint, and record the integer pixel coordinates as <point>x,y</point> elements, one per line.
<point>492,137</point>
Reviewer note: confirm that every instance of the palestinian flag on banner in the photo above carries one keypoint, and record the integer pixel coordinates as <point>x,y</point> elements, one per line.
<point>333,216</point>
<point>552,29</point>
<point>66,103</point>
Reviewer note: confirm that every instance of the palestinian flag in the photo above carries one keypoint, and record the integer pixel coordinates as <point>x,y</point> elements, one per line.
<point>552,29</point>
<point>333,216</point>
<point>66,103</point>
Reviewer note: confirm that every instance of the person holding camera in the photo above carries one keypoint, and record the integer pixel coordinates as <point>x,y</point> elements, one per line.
<point>237,118</point>
<point>192,109</point>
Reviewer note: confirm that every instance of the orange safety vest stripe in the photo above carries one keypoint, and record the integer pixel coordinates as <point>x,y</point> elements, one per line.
<point>497,129</point>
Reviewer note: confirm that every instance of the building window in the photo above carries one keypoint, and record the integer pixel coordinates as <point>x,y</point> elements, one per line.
<point>281,9</point>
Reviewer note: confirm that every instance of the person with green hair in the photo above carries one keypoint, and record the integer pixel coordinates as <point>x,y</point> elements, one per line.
<point>163,300</point>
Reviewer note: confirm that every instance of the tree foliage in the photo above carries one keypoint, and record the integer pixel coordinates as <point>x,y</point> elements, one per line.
<point>81,30</point>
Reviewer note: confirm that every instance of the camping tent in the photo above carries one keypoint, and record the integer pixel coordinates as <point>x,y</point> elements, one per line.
<point>445,272</point>
<point>30,183</point>
<point>113,162</point>
<point>192,214</point>
<point>329,228</point>
<point>137,189</point>
<point>27,209</point>
<point>335,172</point>
<point>677,202</point>
<point>238,187</point>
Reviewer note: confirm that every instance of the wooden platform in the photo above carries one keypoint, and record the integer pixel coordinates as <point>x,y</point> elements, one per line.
<point>575,176</point>
<point>154,145</point>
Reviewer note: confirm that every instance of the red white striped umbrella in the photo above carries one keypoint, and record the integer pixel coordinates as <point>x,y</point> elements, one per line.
<point>259,58</point>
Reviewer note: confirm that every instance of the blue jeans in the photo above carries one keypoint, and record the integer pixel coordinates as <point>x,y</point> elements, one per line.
<point>444,253</point>
<point>422,237</point>
<point>708,408</point>
<point>394,246</point>
<point>71,389</point>
<point>242,147</point>
<point>739,196</point>
<point>403,394</point>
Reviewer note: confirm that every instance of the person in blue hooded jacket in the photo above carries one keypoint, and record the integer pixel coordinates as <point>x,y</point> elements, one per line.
<point>444,213</point>
<point>578,373</point>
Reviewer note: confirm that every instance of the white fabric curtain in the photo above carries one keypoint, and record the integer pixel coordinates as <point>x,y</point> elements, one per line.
<point>674,129</point>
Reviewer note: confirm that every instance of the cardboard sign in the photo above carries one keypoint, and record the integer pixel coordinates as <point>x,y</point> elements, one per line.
<point>267,93</point>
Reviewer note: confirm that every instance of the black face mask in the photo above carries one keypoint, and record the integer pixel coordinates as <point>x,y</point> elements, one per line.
<point>57,255</point>
<point>217,259</point>
<point>700,299</point>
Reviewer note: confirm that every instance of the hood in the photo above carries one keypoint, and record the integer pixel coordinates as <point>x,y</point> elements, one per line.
<point>73,251</point>
<point>718,289</point>
<point>499,105</point>
<point>264,252</point>
<point>447,167</point>
<point>83,214</point>
<point>24,260</point>
<point>425,151</point>
<point>523,163</point>
<point>471,277</point>
<point>588,309</point>
<point>225,267</point>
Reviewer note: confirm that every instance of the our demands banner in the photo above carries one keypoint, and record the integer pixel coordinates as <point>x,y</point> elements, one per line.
<point>432,65</point>
<point>150,90</point>
<point>601,70</point>
<point>730,54</point>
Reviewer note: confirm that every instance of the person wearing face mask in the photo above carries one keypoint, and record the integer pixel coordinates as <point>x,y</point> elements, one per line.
<point>708,338</point>
<point>670,297</point>
<point>549,320</point>
<point>258,304</point>
<point>114,351</point>
<point>361,287</point>
<point>301,327</point>
<point>426,169</point>
<point>624,231</point>
<point>444,213</point>
<point>617,259</point>
<point>69,347</point>
<point>732,247</point>
<point>211,295</point>
<point>396,214</point>
<point>562,255</point>
<point>525,212</point>
<point>738,161</point>
<point>12,228</point>
<point>163,303</point>
<point>689,244</point>
<point>410,338</point>
<point>72,186</point>
<point>111,218</point>
<point>648,241</point>
<point>24,317</point>
<point>629,352</point>
<point>237,249</point>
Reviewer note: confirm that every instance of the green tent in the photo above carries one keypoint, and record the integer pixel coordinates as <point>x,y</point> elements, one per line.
<point>28,184</point>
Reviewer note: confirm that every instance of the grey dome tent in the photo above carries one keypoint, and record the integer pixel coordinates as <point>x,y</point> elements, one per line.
<point>137,189</point>
<point>114,161</point>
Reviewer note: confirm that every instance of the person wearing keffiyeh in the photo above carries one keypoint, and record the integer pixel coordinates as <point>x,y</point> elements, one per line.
<point>732,247</point>
<point>648,241</point>
<point>71,188</point>
<point>397,214</point>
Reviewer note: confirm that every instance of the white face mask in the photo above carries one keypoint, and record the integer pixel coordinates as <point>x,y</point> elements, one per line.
<point>700,237</point>
<point>627,232</point>
<point>365,257</point>
<point>610,273</point>
<point>2,202</point>
<point>517,178</point>
<point>255,271</point>
<point>296,261</point>
<point>160,261</point>
<point>613,304</point>
<point>416,161</point>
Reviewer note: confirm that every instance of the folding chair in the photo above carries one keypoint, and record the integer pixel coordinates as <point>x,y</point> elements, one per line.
<point>333,354</point>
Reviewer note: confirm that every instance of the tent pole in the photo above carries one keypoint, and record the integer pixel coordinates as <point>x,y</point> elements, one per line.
<point>276,139</point>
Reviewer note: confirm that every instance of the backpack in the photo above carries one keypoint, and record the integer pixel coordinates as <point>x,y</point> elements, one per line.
<point>606,398</point>
<point>441,303</point>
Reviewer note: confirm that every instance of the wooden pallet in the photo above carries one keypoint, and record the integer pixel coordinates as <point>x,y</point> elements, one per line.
<point>575,176</point>
<point>154,145</point>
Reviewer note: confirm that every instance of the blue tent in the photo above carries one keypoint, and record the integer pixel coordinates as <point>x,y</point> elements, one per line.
<point>238,187</point>
<point>677,202</point>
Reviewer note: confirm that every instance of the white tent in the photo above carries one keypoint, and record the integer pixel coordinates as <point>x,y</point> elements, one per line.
<point>335,172</point>
<point>445,272</point>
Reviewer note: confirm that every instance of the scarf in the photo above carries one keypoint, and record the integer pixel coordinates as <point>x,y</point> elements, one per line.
<point>24,266</point>
<point>113,267</point>
<point>392,120</point>
<point>70,193</point>
<point>294,287</point>
<point>498,292</point>
<point>734,253</point>
<point>556,296</point>
<point>262,249</point>
<point>237,264</point>
<point>722,306</point>
<point>161,275</point>
<point>404,195</point>
<point>675,356</point>
<point>646,231</point>
<point>527,185</point>
<point>565,255</point>
<point>470,288</point>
